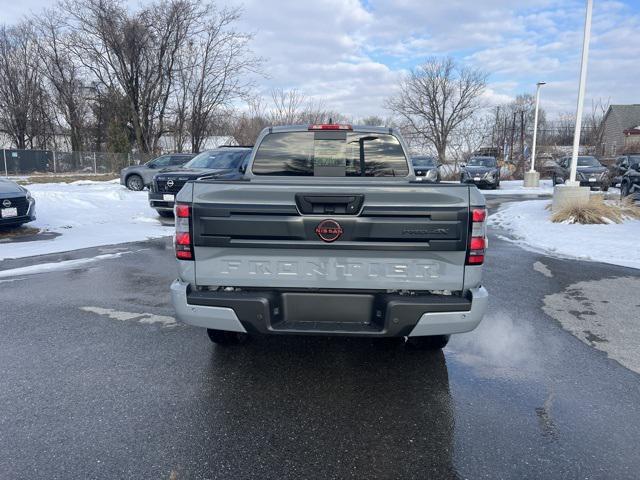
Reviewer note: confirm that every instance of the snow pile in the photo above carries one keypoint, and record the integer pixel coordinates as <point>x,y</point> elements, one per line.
<point>86,214</point>
<point>516,187</point>
<point>529,223</point>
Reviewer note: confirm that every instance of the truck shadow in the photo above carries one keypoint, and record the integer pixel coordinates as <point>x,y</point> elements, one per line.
<point>319,407</point>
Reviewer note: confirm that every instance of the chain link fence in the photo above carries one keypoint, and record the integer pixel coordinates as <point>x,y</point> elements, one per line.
<point>30,162</point>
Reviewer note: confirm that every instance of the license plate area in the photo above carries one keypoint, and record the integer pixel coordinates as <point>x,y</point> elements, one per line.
<point>168,198</point>
<point>593,179</point>
<point>327,308</point>
<point>9,212</point>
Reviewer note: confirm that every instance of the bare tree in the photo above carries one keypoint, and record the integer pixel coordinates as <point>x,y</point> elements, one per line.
<point>24,103</point>
<point>135,52</point>
<point>63,75</point>
<point>218,63</point>
<point>436,98</point>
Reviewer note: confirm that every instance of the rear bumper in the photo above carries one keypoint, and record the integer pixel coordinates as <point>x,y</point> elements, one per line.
<point>347,314</point>
<point>156,200</point>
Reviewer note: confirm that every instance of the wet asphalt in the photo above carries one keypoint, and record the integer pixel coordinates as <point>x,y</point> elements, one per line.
<point>85,395</point>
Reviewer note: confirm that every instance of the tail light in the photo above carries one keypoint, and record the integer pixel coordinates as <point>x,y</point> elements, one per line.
<point>183,241</point>
<point>330,126</point>
<point>478,237</point>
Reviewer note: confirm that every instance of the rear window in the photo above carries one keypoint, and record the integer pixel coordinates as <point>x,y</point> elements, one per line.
<point>330,154</point>
<point>218,159</point>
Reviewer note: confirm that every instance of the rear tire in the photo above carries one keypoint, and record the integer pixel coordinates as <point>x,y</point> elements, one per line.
<point>434,342</point>
<point>165,213</point>
<point>135,183</point>
<point>222,337</point>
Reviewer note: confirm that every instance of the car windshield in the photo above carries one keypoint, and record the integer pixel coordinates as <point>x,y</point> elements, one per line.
<point>482,162</point>
<point>218,159</point>
<point>330,153</point>
<point>588,162</point>
<point>633,159</point>
<point>423,162</point>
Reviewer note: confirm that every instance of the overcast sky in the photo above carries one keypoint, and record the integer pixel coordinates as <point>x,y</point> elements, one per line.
<point>351,52</point>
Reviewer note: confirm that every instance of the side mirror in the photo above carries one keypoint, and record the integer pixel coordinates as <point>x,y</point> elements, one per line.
<point>242,169</point>
<point>462,165</point>
<point>152,166</point>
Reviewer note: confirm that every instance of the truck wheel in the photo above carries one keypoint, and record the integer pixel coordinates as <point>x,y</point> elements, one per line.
<point>434,342</point>
<point>135,183</point>
<point>222,337</point>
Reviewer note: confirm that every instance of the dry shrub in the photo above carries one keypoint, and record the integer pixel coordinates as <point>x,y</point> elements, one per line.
<point>630,208</point>
<point>596,211</point>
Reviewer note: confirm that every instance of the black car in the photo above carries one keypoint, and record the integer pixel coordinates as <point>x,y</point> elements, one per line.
<point>590,173</point>
<point>630,183</point>
<point>17,206</point>
<point>482,171</point>
<point>621,166</point>
<point>136,177</point>
<point>426,167</point>
<point>224,163</point>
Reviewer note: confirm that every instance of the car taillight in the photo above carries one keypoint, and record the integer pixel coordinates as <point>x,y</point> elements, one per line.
<point>182,240</point>
<point>478,238</point>
<point>330,126</point>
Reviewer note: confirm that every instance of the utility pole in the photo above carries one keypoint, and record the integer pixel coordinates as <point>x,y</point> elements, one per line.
<point>571,192</point>
<point>532,178</point>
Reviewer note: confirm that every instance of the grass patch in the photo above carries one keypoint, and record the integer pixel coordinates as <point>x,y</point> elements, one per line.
<point>66,178</point>
<point>12,232</point>
<point>598,212</point>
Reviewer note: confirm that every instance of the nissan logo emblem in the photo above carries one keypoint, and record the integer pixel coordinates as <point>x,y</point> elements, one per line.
<point>170,183</point>
<point>329,230</point>
<point>6,203</point>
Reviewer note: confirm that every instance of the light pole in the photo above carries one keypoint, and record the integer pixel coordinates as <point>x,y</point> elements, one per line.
<point>571,191</point>
<point>535,126</point>
<point>532,178</point>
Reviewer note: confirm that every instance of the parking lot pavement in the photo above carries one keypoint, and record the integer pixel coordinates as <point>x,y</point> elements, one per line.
<point>99,382</point>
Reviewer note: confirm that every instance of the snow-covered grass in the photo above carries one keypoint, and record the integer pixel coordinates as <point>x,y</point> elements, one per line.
<point>529,223</point>
<point>86,214</point>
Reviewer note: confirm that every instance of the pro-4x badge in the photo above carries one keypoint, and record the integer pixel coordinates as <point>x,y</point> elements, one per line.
<point>329,230</point>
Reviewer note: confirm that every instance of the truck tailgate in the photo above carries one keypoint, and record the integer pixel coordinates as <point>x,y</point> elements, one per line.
<point>372,236</point>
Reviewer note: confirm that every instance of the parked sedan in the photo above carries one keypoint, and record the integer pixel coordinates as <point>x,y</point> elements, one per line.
<point>621,166</point>
<point>590,172</point>
<point>17,206</point>
<point>482,171</point>
<point>426,168</point>
<point>136,177</point>
<point>224,163</point>
<point>630,183</point>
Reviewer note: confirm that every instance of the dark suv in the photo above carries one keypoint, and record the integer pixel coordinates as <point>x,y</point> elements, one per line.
<point>630,183</point>
<point>136,177</point>
<point>590,172</point>
<point>224,163</point>
<point>621,166</point>
<point>17,206</point>
<point>481,171</point>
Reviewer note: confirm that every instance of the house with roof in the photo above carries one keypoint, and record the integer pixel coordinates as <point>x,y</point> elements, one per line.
<point>620,130</point>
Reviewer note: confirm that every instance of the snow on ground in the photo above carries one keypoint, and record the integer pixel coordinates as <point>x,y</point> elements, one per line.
<point>529,224</point>
<point>516,187</point>
<point>86,214</point>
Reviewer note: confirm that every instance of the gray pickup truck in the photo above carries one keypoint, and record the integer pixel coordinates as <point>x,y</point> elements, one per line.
<point>329,232</point>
